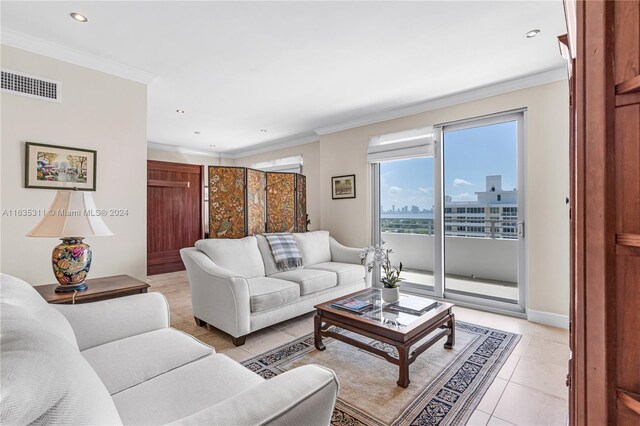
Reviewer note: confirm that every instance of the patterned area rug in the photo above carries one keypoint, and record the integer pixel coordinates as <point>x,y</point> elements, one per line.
<point>446,384</point>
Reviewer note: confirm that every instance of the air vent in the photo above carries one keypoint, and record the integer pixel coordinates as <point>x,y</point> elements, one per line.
<point>31,86</point>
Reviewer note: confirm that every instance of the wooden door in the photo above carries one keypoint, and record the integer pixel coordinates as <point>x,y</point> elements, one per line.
<point>605,312</point>
<point>174,213</point>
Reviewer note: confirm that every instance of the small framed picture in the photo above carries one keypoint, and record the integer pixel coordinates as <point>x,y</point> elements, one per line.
<point>343,187</point>
<point>59,167</point>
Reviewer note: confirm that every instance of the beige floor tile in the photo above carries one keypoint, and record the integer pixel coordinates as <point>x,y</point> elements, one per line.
<point>185,313</point>
<point>299,328</point>
<point>219,340</point>
<point>506,323</point>
<point>543,376</point>
<point>522,405</point>
<point>547,351</point>
<point>265,340</point>
<point>237,354</point>
<point>555,334</point>
<point>522,344</point>
<point>495,421</point>
<point>478,418</point>
<point>492,396</point>
<point>466,314</point>
<point>509,366</point>
<point>191,328</point>
<point>175,318</point>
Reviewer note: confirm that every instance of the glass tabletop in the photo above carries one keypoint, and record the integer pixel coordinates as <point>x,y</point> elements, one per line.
<point>370,305</point>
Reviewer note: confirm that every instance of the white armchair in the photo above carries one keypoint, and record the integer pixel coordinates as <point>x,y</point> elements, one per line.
<point>118,362</point>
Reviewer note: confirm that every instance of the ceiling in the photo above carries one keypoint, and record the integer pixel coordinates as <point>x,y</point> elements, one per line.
<point>290,68</point>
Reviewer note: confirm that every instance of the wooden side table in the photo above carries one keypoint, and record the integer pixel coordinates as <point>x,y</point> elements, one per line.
<point>98,289</point>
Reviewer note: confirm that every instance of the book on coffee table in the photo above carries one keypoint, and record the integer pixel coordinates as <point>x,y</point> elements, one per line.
<point>352,304</point>
<point>412,305</point>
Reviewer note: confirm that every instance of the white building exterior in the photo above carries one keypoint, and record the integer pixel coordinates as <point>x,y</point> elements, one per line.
<point>493,215</point>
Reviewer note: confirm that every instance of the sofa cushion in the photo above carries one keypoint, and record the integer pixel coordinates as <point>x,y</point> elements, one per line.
<point>270,267</point>
<point>44,378</point>
<point>19,293</point>
<point>309,280</point>
<point>268,292</point>
<point>241,256</point>
<point>184,391</point>
<point>347,272</point>
<point>314,247</point>
<point>128,362</point>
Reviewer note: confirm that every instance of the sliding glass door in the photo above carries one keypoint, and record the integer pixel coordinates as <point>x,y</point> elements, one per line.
<point>483,199</point>
<point>455,216</point>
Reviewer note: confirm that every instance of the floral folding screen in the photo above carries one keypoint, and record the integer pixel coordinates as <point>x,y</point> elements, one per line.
<point>245,202</point>
<point>227,202</point>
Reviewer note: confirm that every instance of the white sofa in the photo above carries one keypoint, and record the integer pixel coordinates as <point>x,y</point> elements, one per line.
<point>236,287</point>
<point>118,362</point>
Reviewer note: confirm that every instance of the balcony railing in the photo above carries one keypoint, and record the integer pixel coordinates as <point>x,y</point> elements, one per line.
<point>484,258</point>
<point>460,227</point>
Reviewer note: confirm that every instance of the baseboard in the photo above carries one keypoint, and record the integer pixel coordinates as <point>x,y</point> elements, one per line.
<point>548,318</point>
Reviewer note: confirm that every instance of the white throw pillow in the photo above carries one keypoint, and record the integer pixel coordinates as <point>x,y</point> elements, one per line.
<point>241,256</point>
<point>314,247</point>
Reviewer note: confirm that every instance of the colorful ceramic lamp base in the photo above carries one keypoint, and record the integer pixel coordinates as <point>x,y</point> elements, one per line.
<point>71,262</point>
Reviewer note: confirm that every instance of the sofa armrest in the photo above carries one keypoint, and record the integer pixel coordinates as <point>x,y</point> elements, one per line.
<point>218,296</point>
<point>344,254</point>
<point>302,396</point>
<point>102,322</point>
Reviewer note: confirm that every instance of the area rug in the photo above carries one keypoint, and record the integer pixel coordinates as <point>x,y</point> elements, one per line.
<point>446,384</point>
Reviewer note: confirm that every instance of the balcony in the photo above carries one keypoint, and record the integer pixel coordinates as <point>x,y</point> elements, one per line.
<point>475,264</point>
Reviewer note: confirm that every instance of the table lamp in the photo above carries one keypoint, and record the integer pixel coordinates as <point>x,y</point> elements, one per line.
<point>71,217</point>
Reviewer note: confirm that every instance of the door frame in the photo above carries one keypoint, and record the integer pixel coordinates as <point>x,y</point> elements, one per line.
<point>520,116</point>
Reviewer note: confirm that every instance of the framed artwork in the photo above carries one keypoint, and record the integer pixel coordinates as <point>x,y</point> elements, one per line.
<point>59,167</point>
<point>343,187</point>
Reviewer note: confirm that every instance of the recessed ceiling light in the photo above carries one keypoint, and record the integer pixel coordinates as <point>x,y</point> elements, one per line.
<point>212,146</point>
<point>532,33</point>
<point>263,130</point>
<point>180,111</point>
<point>197,132</point>
<point>78,17</point>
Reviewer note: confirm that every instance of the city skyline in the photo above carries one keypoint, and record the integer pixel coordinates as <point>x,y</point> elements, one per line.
<point>470,156</point>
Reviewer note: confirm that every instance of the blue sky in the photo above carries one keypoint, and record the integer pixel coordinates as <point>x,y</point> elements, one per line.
<point>469,156</point>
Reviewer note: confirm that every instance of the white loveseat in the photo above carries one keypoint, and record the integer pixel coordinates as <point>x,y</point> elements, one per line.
<point>118,362</point>
<point>236,287</point>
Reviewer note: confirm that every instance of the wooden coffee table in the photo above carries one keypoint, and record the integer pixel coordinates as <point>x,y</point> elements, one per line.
<point>401,330</point>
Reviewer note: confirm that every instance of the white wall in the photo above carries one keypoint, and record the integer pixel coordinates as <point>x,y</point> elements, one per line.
<point>311,169</point>
<point>547,182</point>
<point>178,157</point>
<point>99,112</point>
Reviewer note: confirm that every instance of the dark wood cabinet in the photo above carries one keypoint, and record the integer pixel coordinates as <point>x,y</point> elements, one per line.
<point>174,213</point>
<point>604,55</point>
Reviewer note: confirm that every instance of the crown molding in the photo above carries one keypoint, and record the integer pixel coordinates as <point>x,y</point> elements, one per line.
<point>272,146</point>
<point>182,150</point>
<point>549,76</point>
<point>88,60</point>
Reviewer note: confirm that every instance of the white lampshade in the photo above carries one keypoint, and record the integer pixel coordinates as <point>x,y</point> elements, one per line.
<point>71,214</point>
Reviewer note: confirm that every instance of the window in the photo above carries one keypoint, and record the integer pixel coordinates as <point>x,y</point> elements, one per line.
<point>287,164</point>
<point>494,210</point>
<point>499,197</point>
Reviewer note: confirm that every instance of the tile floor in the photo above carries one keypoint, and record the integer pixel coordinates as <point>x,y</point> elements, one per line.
<point>529,390</point>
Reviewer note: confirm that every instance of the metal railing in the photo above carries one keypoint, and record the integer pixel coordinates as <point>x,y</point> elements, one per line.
<point>454,227</point>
